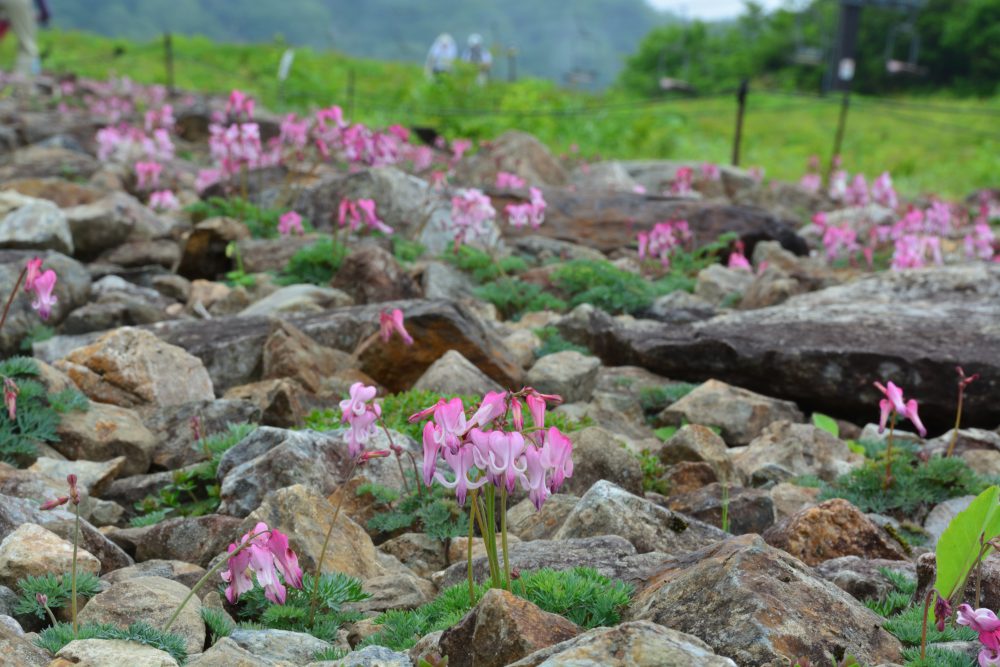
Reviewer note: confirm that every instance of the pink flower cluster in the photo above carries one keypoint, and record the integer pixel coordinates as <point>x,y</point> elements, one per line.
<point>509,181</point>
<point>267,555</point>
<point>529,213</point>
<point>711,172</point>
<point>40,284</point>
<point>290,222</point>
<point>883,193</point>
<point>360,213</point>
<point>163,200</point>
<point>737,260</point>
<point>981,243</point>
<point>239,105</point>
<point>147,174</point>
<point>162,118</point>
<point>663,240</point>
<point>682,182</point>
<point>360,413</point>
<point>986,623</point>
<point>480,451</point>
<point>471,211</point>
<point>124,143</point>
<point>893,404</point>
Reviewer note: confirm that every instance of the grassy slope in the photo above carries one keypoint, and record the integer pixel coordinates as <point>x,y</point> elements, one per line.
<point>926,151</point>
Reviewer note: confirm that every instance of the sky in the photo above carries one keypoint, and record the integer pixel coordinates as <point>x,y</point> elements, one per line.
<point>708,9</point>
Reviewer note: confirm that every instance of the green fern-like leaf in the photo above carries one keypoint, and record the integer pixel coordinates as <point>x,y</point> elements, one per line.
<point>56,588</point>
<point>218,623</point>
<point>19,366</point>
<point>69,400</point>
<point>53,639</point>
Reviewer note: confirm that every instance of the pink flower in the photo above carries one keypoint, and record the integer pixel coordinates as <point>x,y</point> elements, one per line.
<point>557,454</point>
<point>533,479</point>
<point>44,299</point>
<point>529,213</point>
<point>639,189</point>
<point>507,180</point>
<point>857,191</point>
<point>10,392</point>
<point>837,240</point>
<point>163,200</point>
<point>894,403</point>
<point>289,222</point>
<point>240,103</point>
<point>54,503</point>
<point>147,174</point>
<point>267,555</point>
<point>493,407</point>
<point>682,181</point>
<point>882,191</point>
<point>811,183</point>
<point>663,240</point>
<point>838,185</point>
<point>710,171</point>
<point>737,260</point>
<point>360,416</point>
<point>390,323</point>
<point>497,453</point>
<point>207,178</point>
<point>34,269</point>
<point>980,243</point>
<point>459,147</point>
<point>354,214</point>
<point>461,462</point>
<point>985,622</point>
<point>471,211</point>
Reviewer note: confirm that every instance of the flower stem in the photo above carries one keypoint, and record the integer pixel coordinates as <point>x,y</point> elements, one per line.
<point>396,451</point>
<point>958,420</point>
<point>52,617</point>
<point>13,293</point>
<point>923,630</point>
<point>887,482</point>
<point>207,575</point>
<point>314,596</point>
<point>491,540</point>
<point>503,534</point>
<point>76,541</point>
<point>472,536</point>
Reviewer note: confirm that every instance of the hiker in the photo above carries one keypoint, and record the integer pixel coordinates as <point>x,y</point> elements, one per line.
<point>477,54</point>
<point>19,15</point>
<point>441,56</point>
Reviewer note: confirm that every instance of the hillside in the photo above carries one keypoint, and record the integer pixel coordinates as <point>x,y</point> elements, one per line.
<point>552,38</point>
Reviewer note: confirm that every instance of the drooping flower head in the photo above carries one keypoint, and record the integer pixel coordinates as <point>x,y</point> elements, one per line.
<point>290,222</point>
<point>266,555</point>
<point>392,322</point>
<point>44,298</point>
<point>986,623</point>
<point>34,269</point>
<point>894,403</point>
<point>10,392</point>
<point>360,414</point>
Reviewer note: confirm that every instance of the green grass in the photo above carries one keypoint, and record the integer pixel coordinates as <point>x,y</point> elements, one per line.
<point>926,150</point>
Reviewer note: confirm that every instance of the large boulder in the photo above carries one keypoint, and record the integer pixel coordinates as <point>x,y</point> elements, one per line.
<point>757,604</point>
<point>568,374</point>
<point>454,374</point>
<point>824,349</point>
<point>785,450</point>
<point>105,432</point>
<point>371,274</point>
<point>34,551</point>
<point>631,644</point>
<point>599,455</point>
<point>131,367</point>
<point>515,152</point>
<point>33,224</point>
<point>607,509</point>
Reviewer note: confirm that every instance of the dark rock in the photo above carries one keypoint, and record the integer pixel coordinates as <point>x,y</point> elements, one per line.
<point>750,510</point>
<point>195,539</point>
<point>371,274</point>
<point>863,577</point>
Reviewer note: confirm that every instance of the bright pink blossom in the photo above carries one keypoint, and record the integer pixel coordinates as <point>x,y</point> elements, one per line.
<point>984,622</point>
<point>360,414</point>
<point>44,298</point>
<point>710,171</point>
<point>663,240</point>
<point>10,392</point>
<point>507,180</point>
<point>529,213</point>
<point>390,323</point>
<point>737,260</point>
<point>147,174</point>
<point>471,213</point>
<point>267,555</point>
<point>895,403</point>
<point>34,269</point>
<point>290,222</point>
<point>682,181</point>
<point>883,193</point>
<point>163,200</point>
<point>358,213</point>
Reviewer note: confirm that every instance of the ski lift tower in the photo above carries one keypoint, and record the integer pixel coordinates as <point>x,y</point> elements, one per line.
<point>845,49</point>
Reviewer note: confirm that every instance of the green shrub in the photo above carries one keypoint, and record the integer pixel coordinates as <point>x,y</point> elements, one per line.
<point>513,297</point>
<point>55,638</point>
<point>916,484</point>
<point>38,412</point>
<point>335,591</point>
<point>936,657</point>
<point>36,334</point>
<point>218,623</point>
<point>582,595</point>
<point>56,588</point>
<point>262,223</point>
<point>483,266</point>
<point>193,491</point>
<point>552,342</point>
<point>654,399</point>
<point>432,511</point>
<point>604,285</point>
<point>317,263</point>
<point>405,251</point>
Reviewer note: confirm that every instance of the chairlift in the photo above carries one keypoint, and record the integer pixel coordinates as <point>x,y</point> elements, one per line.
<point>895,66</point>
<point>672,83</point>
<point>809,55</point>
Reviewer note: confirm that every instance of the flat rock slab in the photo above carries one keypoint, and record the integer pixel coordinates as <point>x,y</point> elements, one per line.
<point>824,349</point>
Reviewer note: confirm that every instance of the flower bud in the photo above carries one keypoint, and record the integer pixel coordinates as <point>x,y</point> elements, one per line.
<point>74,493</point>
<point>52,504</point>
<point>374,454</point>
<point>42,599</point>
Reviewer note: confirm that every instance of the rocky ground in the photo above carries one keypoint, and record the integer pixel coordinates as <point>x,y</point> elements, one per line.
<point>688,415</point>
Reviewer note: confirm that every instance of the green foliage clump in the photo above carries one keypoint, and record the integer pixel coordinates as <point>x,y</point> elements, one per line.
<point>331,654</point>
<point>433,511</point>
<point>483,266</point>
<point>514,297</point>
<point>335,591</point>
<point>915,484</point>
<point>38,412</point>
<point>582,595</point>
<point>406,251</point>
<point>654,399</point>
<point>907,626</point>
<point>262,222</point>
<point>936,657</point>
<point>56,588</point>
<point>604,285</point>
<point>898,598</point>
<point>53,639</point>
<point>653,472</point>
<point>193,491</point>
<point>317,263</point>
<point>218,623</point>
<point>552,342</point>
<point>36,334</point>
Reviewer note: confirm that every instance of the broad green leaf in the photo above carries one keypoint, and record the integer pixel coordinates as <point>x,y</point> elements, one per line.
<point>959,545</point>
<point>828,424</point>
<point>666,432</point>
<point>856,447</point>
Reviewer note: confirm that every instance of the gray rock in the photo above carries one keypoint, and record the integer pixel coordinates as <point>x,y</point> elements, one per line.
<point>443,281</point>
<point>720,285</point>
<point>680,307</point>
<point>298,299</point>
<point>529,523</point>
<point>370,656</point>
<point>421,553</point>
<point>607,509</point>
<point>35,224</point>
<point>102,224</point>
<point>741,414</point>
<point>544,249</point>
<point>272,458</point>
<point>606,176</point>
<point>599,455</point>
<point>795,449</point>
<point>293,647</point>
<point>862,577</point>
<point>454,374</point>
<point>695,442</point>
<point>395,591</point>
<point>176,446</point>
<point>113,652</point>
<point>175,570</point>
<point>568,374</point>
<point>196,539</point>
<point>632,644</point>
<point>749,510</point>
<point>608,554</point>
